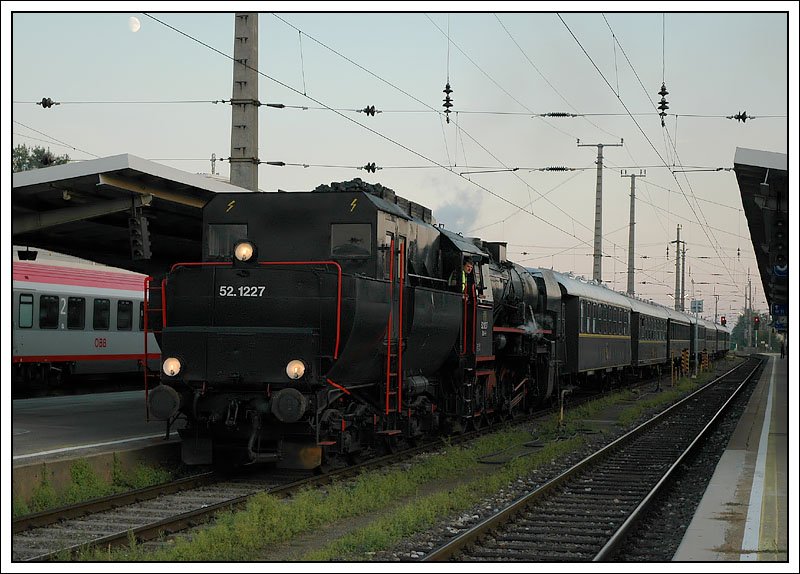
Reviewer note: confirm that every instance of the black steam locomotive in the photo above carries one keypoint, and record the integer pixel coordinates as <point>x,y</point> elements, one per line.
<point>321,327</point>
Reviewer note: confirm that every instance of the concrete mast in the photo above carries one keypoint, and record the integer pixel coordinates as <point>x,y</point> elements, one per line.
<point>631,235</point>
<point>244,102</point>
<point>597,270</point>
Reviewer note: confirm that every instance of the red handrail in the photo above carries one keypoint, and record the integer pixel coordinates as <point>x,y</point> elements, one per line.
<point>401,275</point>
<point>389,324</point>
<point>340,387</point>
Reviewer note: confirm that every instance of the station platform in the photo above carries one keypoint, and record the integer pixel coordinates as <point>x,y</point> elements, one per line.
<point>106,430</point>
<point>744,514</point>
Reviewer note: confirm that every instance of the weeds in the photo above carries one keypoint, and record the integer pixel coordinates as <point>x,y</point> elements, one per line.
<point>85,485</point>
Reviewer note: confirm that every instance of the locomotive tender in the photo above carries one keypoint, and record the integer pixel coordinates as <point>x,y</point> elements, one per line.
<point>320,327</point>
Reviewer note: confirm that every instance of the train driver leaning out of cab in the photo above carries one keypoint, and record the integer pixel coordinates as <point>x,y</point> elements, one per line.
<point>467,277</point>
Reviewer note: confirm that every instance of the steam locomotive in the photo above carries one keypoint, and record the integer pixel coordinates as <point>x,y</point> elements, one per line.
<point>321,327</point>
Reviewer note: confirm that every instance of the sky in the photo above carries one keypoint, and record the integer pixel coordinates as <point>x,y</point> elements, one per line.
<point>150,90</point>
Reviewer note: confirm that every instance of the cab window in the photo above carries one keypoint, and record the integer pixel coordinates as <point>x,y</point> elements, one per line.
<point>222,237</point>
<point>351,239</point>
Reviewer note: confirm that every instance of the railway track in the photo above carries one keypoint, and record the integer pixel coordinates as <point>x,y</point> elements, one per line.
<point>150,513</point>
<point>143,514</point>
<point>587,512</point>
<point>147,514</point>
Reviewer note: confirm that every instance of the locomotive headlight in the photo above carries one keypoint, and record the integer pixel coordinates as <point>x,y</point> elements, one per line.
<point>171,366</point>
<point>295,369</point>
<point>244,250</point>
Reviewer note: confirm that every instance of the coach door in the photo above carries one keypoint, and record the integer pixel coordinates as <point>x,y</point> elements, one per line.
<point>484,313</point>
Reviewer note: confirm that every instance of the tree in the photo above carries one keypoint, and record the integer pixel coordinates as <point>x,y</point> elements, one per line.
<point>24,158</point>
<point>744,325</point>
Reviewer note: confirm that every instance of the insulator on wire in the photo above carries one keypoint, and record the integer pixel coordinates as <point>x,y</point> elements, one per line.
<point>370,111</point>
<point>448,102</point>
<point>740,117</point>
<point>370,167</point>
<point>559,115</point>
<point>663,104</point>
<point>47,103</point>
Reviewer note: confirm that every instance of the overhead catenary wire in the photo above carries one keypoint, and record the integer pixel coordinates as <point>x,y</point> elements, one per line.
<point>375,132</point>
<point>529,114</point>
<point>65,144</point>
<point>549,83</point>
<point>387,167</point>
<point>406,147</point>
<point>666,132</point>
<point>644,134</point>
<point>529,187</point>
<point>511,170</point>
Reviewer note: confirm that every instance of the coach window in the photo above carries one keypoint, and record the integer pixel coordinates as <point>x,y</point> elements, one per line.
<point>583,316</point>
<point>141,315</point>
<point>48,312</point>
<point>124,315</point>
<point>102,312</point>
<point>587,325</point>
<point>76,313</point>
<point>222,238</point>
<point>25,311</point>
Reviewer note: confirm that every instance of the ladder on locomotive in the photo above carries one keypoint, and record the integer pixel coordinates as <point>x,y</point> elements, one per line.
<point>394,355</point>
<point>153,317</point>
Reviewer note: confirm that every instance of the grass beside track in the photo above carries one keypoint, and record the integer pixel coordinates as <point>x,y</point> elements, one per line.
<point>86,485</point>
<point>249,534</point>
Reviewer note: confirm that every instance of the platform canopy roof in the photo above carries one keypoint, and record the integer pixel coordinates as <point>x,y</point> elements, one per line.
<point>83,209</point>
<point>763,179</point>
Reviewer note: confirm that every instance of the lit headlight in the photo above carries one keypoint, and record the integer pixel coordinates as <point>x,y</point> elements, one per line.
<point>244,251</point>
<point>295,369</point>
<point>171,367</point>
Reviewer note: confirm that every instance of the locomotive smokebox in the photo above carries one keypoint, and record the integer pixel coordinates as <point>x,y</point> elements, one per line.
<point>289,405</point>
<point>163,402</point>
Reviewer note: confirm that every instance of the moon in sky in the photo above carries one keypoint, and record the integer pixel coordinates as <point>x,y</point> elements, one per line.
<point>134,24</point>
